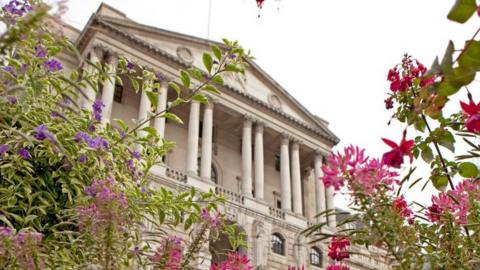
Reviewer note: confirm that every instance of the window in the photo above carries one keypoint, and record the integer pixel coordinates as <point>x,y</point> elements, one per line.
<point>315,257</point>
<point>118,93</point>
<point>278,244</point>
<point>277,163</point>
<point>214,176</point>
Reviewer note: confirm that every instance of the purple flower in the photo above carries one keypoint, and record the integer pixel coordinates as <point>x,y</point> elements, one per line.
<point>11,99</point>
<point>130,66</point>
<point>6,231</point>
<point>97,109</point>
<point>9,69</point>
<point>82,158</point>
<point>52,65</point>
<point>24,153</point>
<point>135,154</point>
<point>23,68</point>
<point>17,8</point>
<point>92,128</point>
<point>42,133</point>
<point>81,136</point>
<point>160,76</point>
<point>3,149</point>
<point>40,51</point>
<point>98,143</point>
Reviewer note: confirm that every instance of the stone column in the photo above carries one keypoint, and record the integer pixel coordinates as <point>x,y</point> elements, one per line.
<point>331,219</point>
<point>319,188</point>
<point>145,107</point>
<point>296,179</point>
<point>259,163</point>
<point>192,142</point>
<point>247,157</point>
<point>159,122</point>
<point>207,132</point>
<point>109,88</point>
<point>285,174</point>
<point>91,92</point>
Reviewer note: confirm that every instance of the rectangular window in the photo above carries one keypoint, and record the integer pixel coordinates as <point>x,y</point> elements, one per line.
<point>118,93</point>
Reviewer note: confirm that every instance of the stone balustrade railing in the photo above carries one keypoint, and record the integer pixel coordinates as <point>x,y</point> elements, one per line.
<point>176,175</point>
<point>276,212</point>
<point>229,195</point>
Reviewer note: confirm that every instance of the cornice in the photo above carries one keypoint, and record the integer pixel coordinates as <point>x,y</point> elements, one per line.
<point>326,135</point>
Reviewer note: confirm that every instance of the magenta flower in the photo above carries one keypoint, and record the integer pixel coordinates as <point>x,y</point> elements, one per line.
<point>472,114</point>
<point>337,267</point>
<point>213,220</point>
<point>394,158</point>
<point>168,254</point>
<point>337,250</point>
<point>235,261</point>
<point>401,206</point>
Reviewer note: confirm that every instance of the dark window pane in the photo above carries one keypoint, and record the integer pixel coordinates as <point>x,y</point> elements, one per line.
<point>278,244</point>
<point>118,94</point>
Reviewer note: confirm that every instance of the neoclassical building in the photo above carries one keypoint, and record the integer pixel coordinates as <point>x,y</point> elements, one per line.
<point>254,144</point>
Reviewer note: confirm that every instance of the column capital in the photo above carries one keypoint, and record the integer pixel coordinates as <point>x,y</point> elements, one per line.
<point>259,126</point>
<point>111,57</point>
<point>296,141</point>
<point>97,51</point>
<point>248,118</point>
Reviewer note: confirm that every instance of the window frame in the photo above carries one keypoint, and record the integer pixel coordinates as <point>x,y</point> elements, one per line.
<point>278,244</point>
<point>315,253</point>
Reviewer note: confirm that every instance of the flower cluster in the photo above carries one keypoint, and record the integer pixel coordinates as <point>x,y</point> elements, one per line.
<point>40,51</point>
<point>394,158</point>
<point>17,8</point>
<point>107,207</point>
<point>401,77</point>
<point>472,115</point>
<point>52,65</point>
<point>235,261</point>
<point>214,220</point>
<point>337,267</point>
<point>168,254</point>
<point>98,143</point>
<point>401,207</point>
<point>455,203</point>
<point>361,172</point>
<point>42,133</point>
<point>23,246</point>
<point>97,107</point>
<point>337,250</point>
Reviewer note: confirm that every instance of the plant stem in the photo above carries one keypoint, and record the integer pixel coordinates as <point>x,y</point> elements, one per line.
<point>468,44</point>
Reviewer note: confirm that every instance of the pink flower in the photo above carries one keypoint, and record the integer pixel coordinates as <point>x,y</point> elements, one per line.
<point>169,254</point>
<point>434,212</point>
<point>337,250</point>
<point>401,206</point>
<point>337,267</point>
<point>260,3</point>
<point>472,113</point>
<point>394,158</point>
<point>235,261</point>
<point>213,220</point>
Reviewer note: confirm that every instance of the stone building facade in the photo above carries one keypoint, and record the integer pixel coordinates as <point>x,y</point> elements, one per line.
<point>254,144</point>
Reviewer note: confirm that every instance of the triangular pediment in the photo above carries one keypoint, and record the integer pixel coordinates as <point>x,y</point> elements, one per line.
<point>188,49</point>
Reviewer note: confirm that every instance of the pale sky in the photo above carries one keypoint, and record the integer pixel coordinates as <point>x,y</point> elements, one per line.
<point>332,56</point>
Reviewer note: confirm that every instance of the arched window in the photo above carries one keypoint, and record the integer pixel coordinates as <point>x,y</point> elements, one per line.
<point>278,244</point>
<point>315,257</point>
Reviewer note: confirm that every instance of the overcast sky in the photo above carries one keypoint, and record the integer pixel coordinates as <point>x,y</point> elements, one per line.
<point>333,56</point>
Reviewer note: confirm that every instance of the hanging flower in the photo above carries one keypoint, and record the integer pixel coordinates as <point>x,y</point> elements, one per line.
<point>260,3</point>
<point>394,158</point>
<point>337,250</point>
<point>472,114</point>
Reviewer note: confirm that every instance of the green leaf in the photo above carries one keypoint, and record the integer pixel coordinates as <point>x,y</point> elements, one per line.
<point>150,130</point>
<point>196,73</point>
<point>135,85</point>
<point>207,61</point>
<point>175,87</point>
<point>121,123</point>
<point>172,117</point>
<point>462,10</point>
<point>200,98</point>
<point>427,155</point>
<point>446,89</point>
<point>468,170</point>
<point>216,51</point>
<point>470,58</point>
<point>185,78</point>
<point>212,89</point>
<point>440,182</point>
<point>232,68</point>
<point>460,76</point>
<point>447,61</point>
<point>218,80</point>
<point>153,97</point>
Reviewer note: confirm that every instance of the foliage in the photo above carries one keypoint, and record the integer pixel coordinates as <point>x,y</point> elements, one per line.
<point>75,192</point>
<point>444,234</point>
